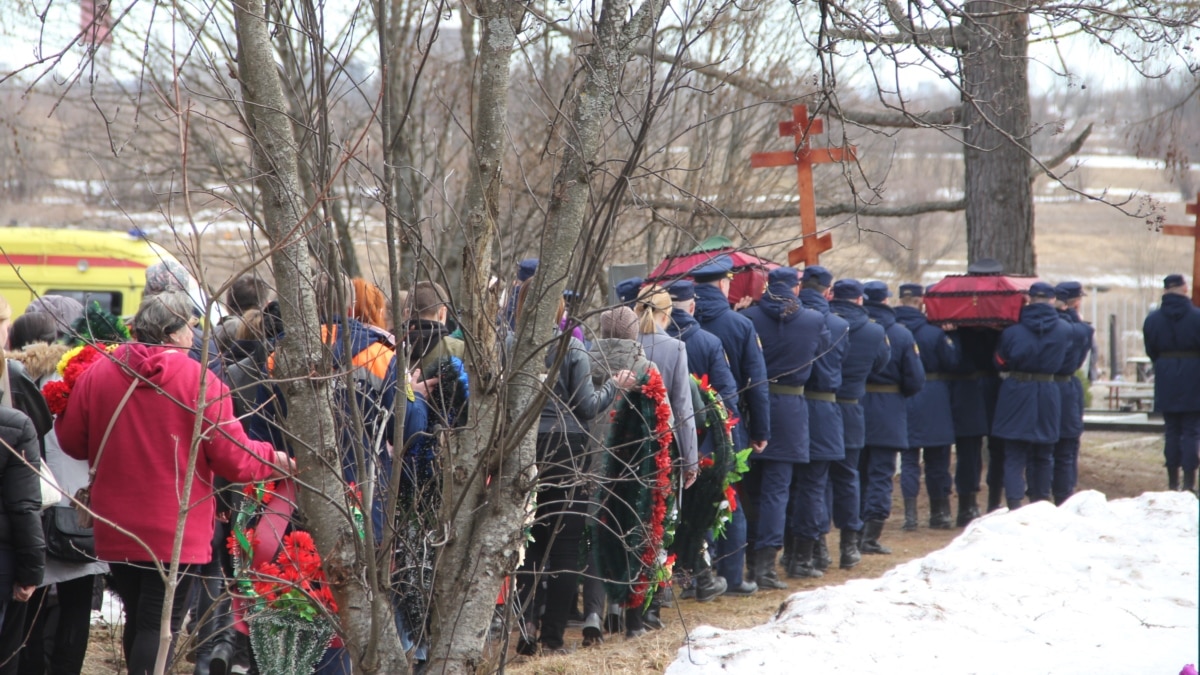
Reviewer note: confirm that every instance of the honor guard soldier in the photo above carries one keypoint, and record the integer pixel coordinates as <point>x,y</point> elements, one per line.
<point>791,336</point>
<point>886,416</point>
<point>930,421</point>
<point>742,348</point>
<point>869,354</point>
<point>825,428</point>
<point>1029,409</point>
<point>973,400</point>
<point>1172,334</point>
<point>1068,296</point>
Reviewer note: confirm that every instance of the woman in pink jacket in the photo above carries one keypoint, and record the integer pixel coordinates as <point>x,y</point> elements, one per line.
<point>152,389</point>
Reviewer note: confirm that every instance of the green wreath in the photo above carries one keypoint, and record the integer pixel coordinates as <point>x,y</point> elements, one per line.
<point>636,517</point>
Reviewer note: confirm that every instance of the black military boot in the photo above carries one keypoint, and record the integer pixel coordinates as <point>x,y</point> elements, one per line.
<point>968,509</point>
<point>870,539</point>
<point>995,498</point>
<point>765,574</point>
<point>1014,504</point>
<point>910,514</point>
<point>821,558</point>
<point>939,514</point>
<point>802,562</point>
<point>849,550</point>
<point>1173,479</point>
<point>1189,481</point>
<point>709,586</point>
<point>789,550</point>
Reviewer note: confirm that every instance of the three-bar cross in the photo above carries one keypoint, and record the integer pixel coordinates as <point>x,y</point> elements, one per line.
<point>1192,231</point>
<point>800,128</point>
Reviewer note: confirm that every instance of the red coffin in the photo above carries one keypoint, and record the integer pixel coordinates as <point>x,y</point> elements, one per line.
<point>749,271</point>
<point>977,300</point>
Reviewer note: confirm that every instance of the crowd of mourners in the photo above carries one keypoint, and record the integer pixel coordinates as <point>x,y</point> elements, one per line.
<point>825,383</point>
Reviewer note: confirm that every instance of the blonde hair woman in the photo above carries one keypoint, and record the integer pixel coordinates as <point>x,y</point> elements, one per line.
<point>653,307</point>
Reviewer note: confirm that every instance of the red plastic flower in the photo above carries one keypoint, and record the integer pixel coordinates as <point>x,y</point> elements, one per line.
<point>56,393</point>
<point>731,497</point>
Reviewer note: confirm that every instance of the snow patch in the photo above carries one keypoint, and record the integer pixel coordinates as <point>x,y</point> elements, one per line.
<point>1093,586</point>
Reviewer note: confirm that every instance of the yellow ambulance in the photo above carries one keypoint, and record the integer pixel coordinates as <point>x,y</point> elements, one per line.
<point>90,266</point>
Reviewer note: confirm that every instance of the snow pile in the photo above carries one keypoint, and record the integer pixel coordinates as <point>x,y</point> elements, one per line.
<point>1091,587</point>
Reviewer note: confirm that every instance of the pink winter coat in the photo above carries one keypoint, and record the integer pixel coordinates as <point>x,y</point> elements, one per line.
<point>140,479</point>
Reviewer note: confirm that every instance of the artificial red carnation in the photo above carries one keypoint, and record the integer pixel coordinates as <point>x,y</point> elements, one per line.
<point>731,497</point>
<point>706,462</point>
<point>56,393</point>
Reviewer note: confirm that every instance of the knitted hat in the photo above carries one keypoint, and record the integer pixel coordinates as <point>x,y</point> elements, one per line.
<point>65,310</point>
<point>166,275</point>
<point>619,322</point>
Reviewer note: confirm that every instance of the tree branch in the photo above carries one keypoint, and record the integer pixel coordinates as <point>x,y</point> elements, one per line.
<point>1066,153</point>
<point>699,207</point>
<point>902,119</point>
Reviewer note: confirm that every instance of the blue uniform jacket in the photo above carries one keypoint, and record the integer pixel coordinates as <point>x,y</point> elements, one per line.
<point>1038,344</point>
<point>886,413</point>
<point>1072,389</point>
<point>869,353</point>
<point>930,420</point>
<point>826,429</point>
<point>706,356</point>
<point>1172,334</point>
<point>977,383</point>
<point>791,336</point>
<point>740,340</point>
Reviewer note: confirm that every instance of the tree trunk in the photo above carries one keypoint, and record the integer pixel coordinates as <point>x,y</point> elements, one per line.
<point>363,602</point>
<point>484,523</point>
<point>995,85</point>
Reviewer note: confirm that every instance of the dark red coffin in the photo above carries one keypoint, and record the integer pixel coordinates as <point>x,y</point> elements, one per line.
<point>977,300</point>
<point>749,271</point>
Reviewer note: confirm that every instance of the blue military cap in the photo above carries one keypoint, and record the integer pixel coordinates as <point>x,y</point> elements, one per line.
<point>717,268</point>
<point>628,289</point>
<point>821,275</point>
<point>847,289</point>
<point>912,291</point>
<point>789,276</point>
<point>1173,281</point>
<point>876,291</point>
<point>1041,289</point>
<point>526,268</point>
<point>985,266</point>
<point>681,290</point>
<point>1068,290</point>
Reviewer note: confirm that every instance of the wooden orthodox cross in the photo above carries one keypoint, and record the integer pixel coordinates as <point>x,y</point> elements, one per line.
<point>800,128</point>
<point>1192,231</point>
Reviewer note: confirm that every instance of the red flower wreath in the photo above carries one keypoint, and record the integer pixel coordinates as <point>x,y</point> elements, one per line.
<point>656,391</point>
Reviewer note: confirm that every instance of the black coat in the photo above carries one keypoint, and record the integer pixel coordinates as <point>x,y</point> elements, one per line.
<point>1172,335</point>
<point>21,497</point>
<point>977,383</point>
